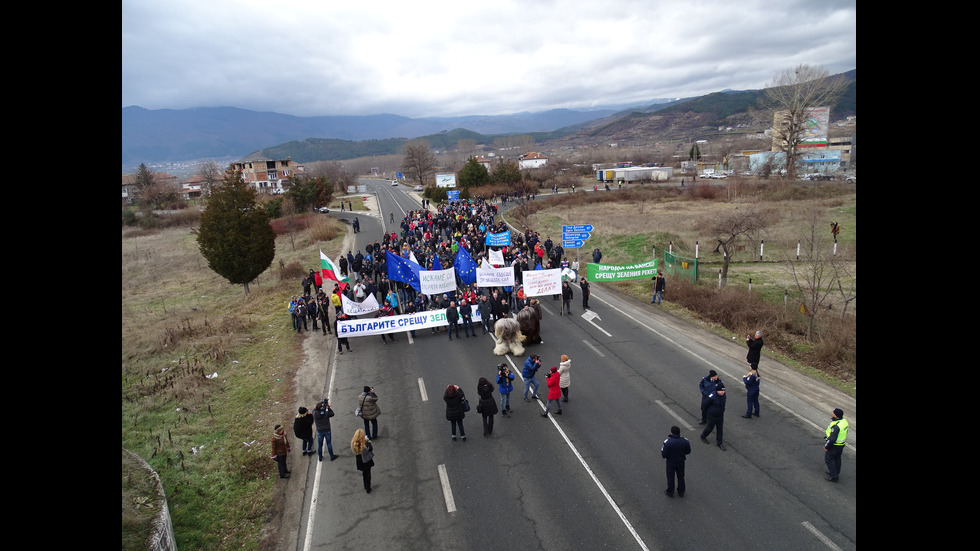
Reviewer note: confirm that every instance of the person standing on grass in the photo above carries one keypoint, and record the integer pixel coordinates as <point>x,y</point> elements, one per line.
<point>659,286</point>
<point>280,447</point>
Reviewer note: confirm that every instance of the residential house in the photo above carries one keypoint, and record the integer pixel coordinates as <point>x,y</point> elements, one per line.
<point>269,176</point>
<point>531,160</point>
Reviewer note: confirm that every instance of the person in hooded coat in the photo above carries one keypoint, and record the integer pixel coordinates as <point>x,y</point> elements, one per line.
<point>487,407</point>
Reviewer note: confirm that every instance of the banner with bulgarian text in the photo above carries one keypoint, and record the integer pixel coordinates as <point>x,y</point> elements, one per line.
<point>393,324</point>
<point>495,277</point>
<point>351,308</point>
<point>542,282</point>
<point>621,272</point>
<point>437,282</point>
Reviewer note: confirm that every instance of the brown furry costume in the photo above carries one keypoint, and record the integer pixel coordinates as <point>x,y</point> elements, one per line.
<point>529,319</point>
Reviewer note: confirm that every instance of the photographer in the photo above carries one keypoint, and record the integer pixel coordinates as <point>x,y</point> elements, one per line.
<point>321,417</point>
<point>505,383</point>
<point>531,366</point>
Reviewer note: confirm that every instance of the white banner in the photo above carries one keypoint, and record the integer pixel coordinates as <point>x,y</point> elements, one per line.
<point>495,277</point>
<point>404,322</point>
<point>352,308</point>
<point>542,282</point>
<point>434,282</point>
<point>496,257</point>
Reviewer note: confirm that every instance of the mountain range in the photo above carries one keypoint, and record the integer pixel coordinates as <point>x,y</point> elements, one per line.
<point>227,133</point>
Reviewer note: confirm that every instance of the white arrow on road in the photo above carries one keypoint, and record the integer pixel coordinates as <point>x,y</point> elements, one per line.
<point>589,315</point>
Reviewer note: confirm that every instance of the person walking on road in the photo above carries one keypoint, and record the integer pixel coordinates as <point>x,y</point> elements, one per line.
<point>834,445</point>
<point>586,291</point>
<point>370,411</point>
<point>363,456</point>
<point>754,342</point>
<point>751,380</point>
<point>707,385</point>
<point>675,450</point>
<point>716,417</point>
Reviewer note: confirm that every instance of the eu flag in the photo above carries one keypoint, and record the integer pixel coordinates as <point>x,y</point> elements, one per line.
<point>436,265</point>
<point>465,267</point>
<point>404,270</point>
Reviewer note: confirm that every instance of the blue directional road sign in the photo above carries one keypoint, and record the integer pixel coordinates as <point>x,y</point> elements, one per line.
<point>575,235</point>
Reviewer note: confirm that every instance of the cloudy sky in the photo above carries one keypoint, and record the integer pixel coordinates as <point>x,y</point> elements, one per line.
<point>459,57</point>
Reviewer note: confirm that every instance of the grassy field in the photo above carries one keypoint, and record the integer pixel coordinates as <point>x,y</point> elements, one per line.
<point>208,435</point>
<point>207,370</point>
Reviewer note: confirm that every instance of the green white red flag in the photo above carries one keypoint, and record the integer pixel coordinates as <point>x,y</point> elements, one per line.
<point>331,271</point>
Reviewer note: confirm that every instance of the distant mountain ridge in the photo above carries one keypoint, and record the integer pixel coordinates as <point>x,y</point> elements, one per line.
<point>168,136</point>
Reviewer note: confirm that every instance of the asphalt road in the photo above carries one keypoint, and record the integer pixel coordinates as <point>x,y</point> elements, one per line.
<point>591,478</point>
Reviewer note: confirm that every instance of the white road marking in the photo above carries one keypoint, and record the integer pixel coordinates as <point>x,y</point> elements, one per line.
<point>447,492</point>
<point>595,479</point>
<point>308,541</point>
<point>594,349</point>
<point>425,397</point>
<point>675,416</point>
<point>826,541</point>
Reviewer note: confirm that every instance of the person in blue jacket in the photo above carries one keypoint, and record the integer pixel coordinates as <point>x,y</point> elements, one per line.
<point>505,383</point>
<point>751,380</point>
<point>531,366</point>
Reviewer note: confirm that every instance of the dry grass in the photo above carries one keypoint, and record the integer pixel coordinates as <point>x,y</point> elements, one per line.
<point>629,224</point>
<point>207,437</point>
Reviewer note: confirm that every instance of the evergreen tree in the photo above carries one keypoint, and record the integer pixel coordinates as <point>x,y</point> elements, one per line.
<point>235,236</point>
<point>473,174</point>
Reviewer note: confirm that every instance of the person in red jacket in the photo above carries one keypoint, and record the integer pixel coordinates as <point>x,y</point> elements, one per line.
<point>554,391</point>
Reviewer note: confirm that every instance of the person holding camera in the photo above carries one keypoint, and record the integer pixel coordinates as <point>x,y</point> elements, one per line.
<point>506,385</point>
<point>321,417</point>
<point>554,391</point>
<point>531,366</point>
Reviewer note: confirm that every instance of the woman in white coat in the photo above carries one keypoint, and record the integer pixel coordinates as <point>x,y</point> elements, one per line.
<point>566,378</point>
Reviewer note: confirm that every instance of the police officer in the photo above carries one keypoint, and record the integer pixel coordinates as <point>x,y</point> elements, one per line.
<point>834,446</point>
<point>675,450</point>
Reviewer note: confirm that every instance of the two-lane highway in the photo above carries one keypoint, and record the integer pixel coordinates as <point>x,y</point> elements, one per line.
<point>590,478</point>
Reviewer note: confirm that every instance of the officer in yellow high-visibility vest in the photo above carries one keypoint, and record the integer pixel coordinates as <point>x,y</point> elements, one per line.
<point>834,446</point>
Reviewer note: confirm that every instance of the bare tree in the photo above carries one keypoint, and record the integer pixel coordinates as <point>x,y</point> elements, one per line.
<point>846,279</point>
<point>791,96</point>
<point>419,163</point>
<point>731,228</point>
<point>813,273</point>
<point>211,173</point>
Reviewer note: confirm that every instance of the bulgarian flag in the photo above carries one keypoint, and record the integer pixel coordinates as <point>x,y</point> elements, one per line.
<point>331,271</point>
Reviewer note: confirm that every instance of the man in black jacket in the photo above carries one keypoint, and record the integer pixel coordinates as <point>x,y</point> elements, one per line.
<point>755,349</point>
<point>452,316</point>
<point>303,429</point>
<point>321,417</point>
<point>716,416</point>
<point>675,450</point>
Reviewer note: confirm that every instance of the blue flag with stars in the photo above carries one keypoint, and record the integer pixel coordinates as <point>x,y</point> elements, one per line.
<point>465,267</point>
<point>436,265</point>
<point>404,270</point>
